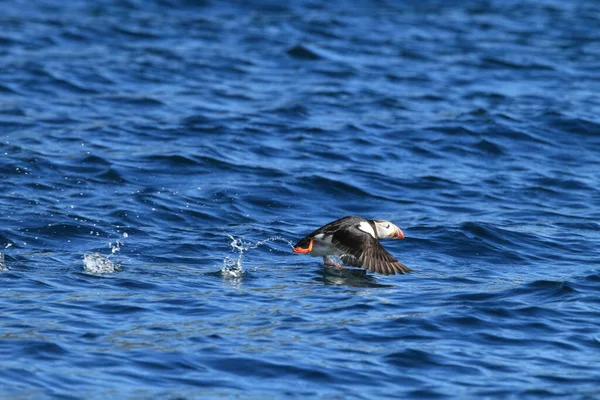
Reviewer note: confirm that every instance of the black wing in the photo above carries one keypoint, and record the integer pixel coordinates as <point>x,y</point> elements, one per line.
<point>363,250</point>
<point>329,228</point>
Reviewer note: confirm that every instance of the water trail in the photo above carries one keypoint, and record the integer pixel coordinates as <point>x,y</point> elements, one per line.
<point>232,266</point>
<point>3,266</point>
<point>96,263</point>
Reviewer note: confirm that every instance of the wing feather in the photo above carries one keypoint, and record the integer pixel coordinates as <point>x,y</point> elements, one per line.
<point>362,250</point>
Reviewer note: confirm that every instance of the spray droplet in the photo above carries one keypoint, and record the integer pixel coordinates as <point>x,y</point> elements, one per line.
<point>232,267</point>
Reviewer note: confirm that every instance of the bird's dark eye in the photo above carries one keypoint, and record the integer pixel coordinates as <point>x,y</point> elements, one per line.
<point>388,225</point>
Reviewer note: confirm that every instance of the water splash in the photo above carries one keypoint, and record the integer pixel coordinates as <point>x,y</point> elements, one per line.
<point>117,245</point>
<point>96,263</point>
<point>3,266</point>
<point>232,266</point>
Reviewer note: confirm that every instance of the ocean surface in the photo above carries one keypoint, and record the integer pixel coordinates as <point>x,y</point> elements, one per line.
<point>158,159</point>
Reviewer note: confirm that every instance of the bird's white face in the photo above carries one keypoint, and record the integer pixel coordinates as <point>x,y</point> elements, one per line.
<point>387,230</point>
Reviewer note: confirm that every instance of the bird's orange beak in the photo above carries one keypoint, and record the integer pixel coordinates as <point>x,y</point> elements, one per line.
<point>398,234</point>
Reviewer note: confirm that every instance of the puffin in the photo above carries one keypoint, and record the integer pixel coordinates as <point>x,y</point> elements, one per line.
<point>355,240</point>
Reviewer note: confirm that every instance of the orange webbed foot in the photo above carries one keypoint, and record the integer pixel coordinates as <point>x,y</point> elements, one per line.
<point>332,264</point>
<point>300,250</point>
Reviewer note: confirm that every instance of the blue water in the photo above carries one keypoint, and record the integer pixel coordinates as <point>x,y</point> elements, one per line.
<point>158,158</point>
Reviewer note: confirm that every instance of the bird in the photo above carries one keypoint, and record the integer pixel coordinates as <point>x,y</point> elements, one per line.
<point>355,240</point>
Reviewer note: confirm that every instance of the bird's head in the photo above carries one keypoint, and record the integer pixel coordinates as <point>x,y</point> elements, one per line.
<point>387,230</point>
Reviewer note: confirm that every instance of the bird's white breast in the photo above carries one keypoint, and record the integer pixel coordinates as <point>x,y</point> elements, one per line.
<point>322,246</point>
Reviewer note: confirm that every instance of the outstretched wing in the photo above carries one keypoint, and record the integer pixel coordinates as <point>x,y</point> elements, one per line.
<point>326,229</point>
<point>362,250</point>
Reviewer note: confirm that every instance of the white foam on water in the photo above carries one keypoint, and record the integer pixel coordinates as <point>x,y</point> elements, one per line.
<point>232,266</point>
